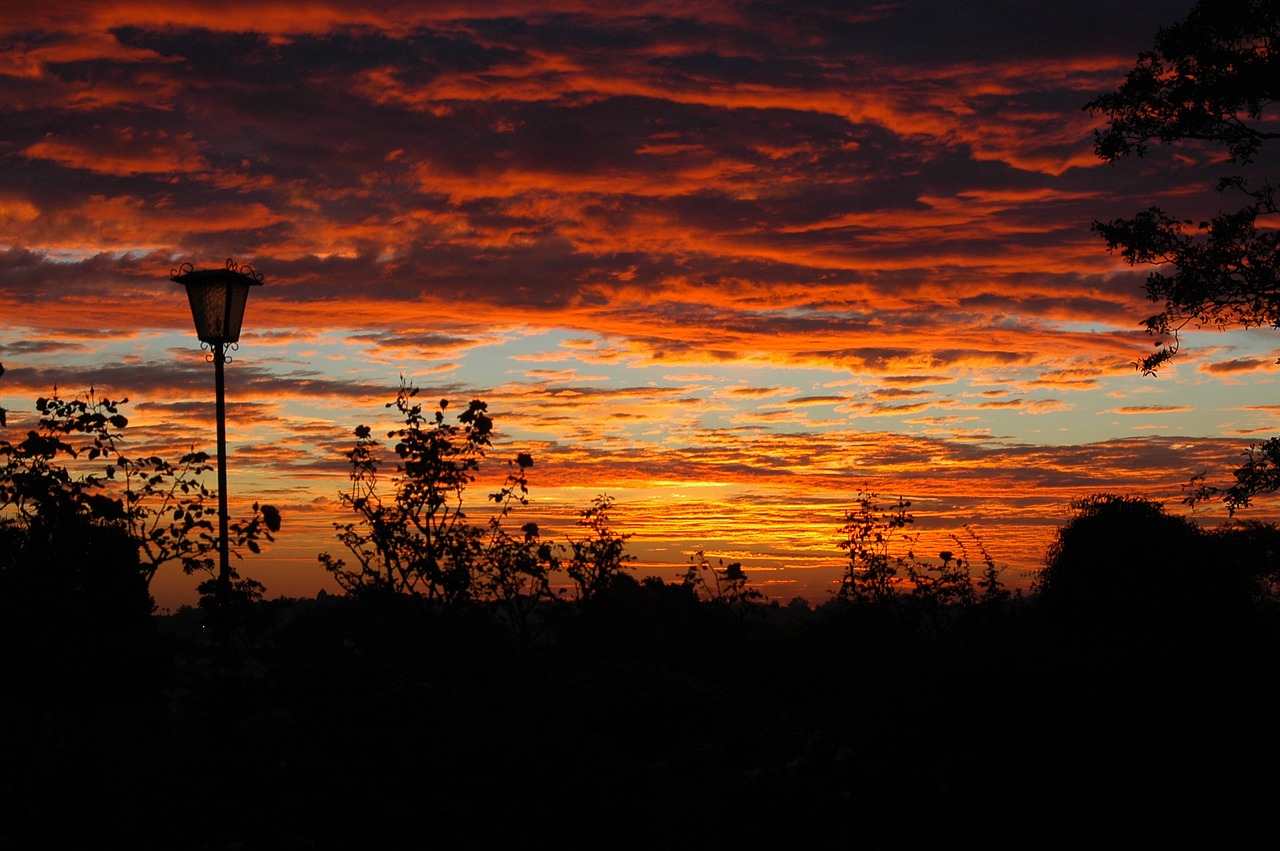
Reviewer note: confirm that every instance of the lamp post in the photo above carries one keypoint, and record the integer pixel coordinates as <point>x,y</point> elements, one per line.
<point>217,298</point>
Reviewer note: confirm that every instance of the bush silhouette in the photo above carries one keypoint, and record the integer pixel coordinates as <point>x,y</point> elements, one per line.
<point>75,612</point>
<point>1249,554</point>
<point>1123,559</point>
<point>597,562</point>
<point>417,539</point>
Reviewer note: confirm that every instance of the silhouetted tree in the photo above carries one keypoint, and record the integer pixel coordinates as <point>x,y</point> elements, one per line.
<point>1250,551</point>
<point>75,613</point>
<point>1122,559</point>
<point>728,583</point>
<point>1214,77</point>
<point>945,583</point>
<point>883,565</point>
<point>596,561</point>
<point>869,535</point>
<point>418,541</point>
<point>65,555</point>
<point>1209,78</point>
<point>72,467</point>
<point>74,604</point>
<point>516,572</point>
<point>1259,474</point>
<point>244,592</point>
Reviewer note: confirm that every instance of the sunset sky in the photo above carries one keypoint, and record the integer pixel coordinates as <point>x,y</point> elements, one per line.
<point>727,262</point>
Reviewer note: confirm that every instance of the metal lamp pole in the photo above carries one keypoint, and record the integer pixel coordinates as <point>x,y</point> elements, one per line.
<point>219,353</point>
<point>218,298</point>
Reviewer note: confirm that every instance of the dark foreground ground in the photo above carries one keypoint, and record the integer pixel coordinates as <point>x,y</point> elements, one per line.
<point>647,720</point>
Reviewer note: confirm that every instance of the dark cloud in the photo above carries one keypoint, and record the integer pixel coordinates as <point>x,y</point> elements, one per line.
<point>19,348</point>
<point>998,30</point>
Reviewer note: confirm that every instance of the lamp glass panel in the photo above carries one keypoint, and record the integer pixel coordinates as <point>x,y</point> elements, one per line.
<point>217,306</point>
<point>237,294</point>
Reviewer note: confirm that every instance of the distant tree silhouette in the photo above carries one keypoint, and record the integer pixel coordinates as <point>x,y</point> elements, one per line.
<point>727,585</point>
<point>1250,551</point>
<point>516,571</point>
<point>418,540</point>
<point>597,561</point>
<point>870,535</point>
<point>1122,559</point>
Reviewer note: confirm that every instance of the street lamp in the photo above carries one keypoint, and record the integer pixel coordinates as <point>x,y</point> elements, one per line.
<point>217,299</point>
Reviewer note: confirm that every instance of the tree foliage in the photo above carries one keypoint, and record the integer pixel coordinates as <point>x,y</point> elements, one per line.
<point>72,467</point>
<point>722,584</point>
<point>951,581</point>
<point>597,560</point>
<point>1258,474</point>
<point>883,565</point>
<point>515,571</point>
<point>1209,77</point>
<point>411,534</point>
<point>869,535</point>
<point>417,540</point>
<point>1122,560</point>
<point>1212,79</point>
<point>66,560</point>
<point>85,526</point>
<point>1250,549</point>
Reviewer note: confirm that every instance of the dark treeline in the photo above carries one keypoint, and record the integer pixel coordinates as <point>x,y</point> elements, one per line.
<point>645,717</point>
<point>449,697</point>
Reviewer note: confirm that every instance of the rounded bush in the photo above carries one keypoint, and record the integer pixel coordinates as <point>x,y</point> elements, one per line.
<point>1122,558</point>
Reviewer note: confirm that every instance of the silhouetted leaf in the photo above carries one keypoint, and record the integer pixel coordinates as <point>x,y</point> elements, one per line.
<point>271,516</point>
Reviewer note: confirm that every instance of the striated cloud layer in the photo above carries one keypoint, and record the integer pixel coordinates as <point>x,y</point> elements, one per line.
<point>728,262</point>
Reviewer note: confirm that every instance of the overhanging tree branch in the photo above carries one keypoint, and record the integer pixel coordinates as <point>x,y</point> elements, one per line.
<point>1213,78</point>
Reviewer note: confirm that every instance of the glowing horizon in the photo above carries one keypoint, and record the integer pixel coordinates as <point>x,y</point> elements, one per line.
<point>726,262</point>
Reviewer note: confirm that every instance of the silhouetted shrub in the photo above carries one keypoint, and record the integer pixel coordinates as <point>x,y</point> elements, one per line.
<point>73,463</point>
<point>74,607</point>
<point>596,562</point>
<point>417,540</point>
<point>1249,551</point>
<point>884,570</point>
<point>1122,559</point>
<point>869,535</point>
<point>75,613</point>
